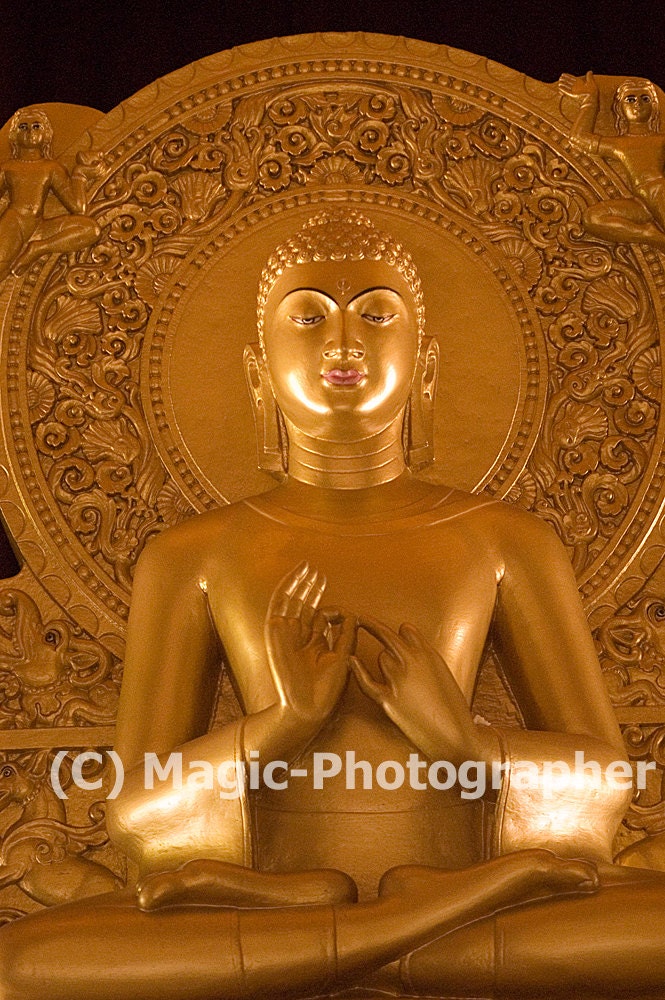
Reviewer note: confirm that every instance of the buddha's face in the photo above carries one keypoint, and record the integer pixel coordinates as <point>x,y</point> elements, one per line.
<point>341,345</point>
<point>636,104</point>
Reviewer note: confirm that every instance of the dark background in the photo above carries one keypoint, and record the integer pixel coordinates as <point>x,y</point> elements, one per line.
<point>98,53</point>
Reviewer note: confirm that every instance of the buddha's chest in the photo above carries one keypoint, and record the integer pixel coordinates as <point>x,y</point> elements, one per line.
<point>437,578</point>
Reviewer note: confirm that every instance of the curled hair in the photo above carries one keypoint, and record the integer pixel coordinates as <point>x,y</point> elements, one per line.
<point>635,83</point>
<point>339,234</point>
<point>34,113</point>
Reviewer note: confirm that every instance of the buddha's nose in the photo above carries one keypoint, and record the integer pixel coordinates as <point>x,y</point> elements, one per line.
<point>342,345</point>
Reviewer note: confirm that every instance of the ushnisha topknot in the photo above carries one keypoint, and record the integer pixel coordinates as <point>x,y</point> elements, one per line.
<point>339,234</point>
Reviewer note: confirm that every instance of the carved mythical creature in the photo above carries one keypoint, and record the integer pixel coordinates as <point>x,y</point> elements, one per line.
<point>50,673</point>
<point>40,850</point>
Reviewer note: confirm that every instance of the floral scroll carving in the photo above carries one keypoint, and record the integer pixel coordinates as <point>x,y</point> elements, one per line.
<point>523,197</point>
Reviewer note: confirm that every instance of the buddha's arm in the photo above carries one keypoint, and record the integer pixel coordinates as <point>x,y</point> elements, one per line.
<point>543,640</point>
<point>542,637</point>
<point>169,686</point>
<point>170,677</point>
<point>172,666</point>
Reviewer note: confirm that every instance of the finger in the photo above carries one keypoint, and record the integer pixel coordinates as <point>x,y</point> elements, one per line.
<point>157,890</point>
<point>304,588</point>
<point>298,605</point>
<point>318,590</point>
<point>281,595</point>
<point>292,580</point>
<point>389,666</point>
<point>325,617</point>
<point>299,592</point>
<point>373,689</point>
<point>412,636</point>
<point>345,643</point>
<point>313,601</point>
<point>322,621</point>
<point>384,634</point>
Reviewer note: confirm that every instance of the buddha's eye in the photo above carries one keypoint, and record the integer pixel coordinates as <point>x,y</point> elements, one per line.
<point>36,125</point>
<point>23,126</point>
<point>307,320</point>
<point>378,318</point>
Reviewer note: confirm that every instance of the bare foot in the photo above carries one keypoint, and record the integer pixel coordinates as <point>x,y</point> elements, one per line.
<point>516,878</point>
<point>30,253</point>
<point>215,883</point>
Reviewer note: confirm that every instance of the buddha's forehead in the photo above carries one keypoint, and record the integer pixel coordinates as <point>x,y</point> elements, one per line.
<point>341,280</point>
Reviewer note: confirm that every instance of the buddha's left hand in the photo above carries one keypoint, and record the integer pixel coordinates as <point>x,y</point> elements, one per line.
<point>419,693</point>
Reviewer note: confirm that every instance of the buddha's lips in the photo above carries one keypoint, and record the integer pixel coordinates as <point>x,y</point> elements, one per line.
<point>343,376</point>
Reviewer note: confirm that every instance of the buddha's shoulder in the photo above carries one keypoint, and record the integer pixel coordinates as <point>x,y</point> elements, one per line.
<point>500,521</point>
<point>194,538</point>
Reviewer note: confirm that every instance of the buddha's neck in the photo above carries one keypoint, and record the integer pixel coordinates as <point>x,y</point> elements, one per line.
<point>346,465</point>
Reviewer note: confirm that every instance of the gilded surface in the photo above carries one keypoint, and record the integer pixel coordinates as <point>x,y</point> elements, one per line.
<point>44,853</point>
<point>458,157</point>
<point>189,184</point>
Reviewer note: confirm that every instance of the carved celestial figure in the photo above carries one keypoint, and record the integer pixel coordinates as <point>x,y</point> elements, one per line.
<point>639,147</point>
<point>26,180</point>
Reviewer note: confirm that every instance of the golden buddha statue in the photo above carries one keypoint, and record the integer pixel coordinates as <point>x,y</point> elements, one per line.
<point>301,889</point>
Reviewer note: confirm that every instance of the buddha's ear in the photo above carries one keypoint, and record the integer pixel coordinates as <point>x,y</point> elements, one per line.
<point>270,431</point>
<point>419,421</point>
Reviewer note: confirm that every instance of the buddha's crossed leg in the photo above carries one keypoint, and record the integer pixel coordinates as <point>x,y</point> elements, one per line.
<point>608,945</point>
<point>106,948</point>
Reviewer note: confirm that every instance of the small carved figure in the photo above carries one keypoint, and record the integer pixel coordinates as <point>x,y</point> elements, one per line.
<point>639,146</point>
<point>26,180</point>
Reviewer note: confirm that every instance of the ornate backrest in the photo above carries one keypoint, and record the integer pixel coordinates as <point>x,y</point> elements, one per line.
<point>125,408</point>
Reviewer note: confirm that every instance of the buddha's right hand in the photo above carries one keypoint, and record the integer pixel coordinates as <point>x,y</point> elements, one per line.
<point>308,646</point>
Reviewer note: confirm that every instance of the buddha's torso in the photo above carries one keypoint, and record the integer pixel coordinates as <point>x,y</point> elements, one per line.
<point>429,566</point>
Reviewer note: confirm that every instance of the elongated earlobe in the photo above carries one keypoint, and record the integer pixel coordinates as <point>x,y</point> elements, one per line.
<point>419,419</point>
<point>271,439</point>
